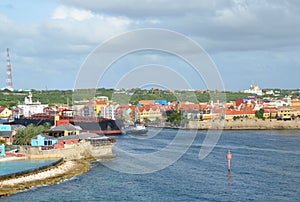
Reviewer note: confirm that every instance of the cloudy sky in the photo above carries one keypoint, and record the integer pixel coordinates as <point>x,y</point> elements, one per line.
<point>249,41</point>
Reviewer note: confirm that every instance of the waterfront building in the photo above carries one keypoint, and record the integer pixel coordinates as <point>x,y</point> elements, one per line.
<point>248,113</point>
<point>151,113</point>
<point>98,105</point>
<point>288,113</point>
<point>270,112</point>
<point>63,130</point>
<point>69,141</point>
<point>127,113</point>
<point>6,134</point>
<point>2,149</point>
<point>66,140</point>
<point>108,112</point>
<point>43,140</point>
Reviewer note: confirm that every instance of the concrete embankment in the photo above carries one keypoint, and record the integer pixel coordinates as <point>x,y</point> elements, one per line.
<point>246,124</point>
<point>43,176</point>
<point>70,152</point>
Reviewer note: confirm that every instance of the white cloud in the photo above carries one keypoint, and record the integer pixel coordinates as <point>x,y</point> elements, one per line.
<point>76,27</point>
<point>63,12</point>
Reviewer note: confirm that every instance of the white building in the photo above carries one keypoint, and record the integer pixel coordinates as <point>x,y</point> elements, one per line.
<point>109,112</point>
<point>254,89</point>
<point>29,108</point>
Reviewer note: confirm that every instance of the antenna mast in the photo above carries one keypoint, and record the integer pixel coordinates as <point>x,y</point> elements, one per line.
<point>8,72</point>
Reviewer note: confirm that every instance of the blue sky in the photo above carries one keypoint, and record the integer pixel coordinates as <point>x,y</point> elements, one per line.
<point>250,41</point>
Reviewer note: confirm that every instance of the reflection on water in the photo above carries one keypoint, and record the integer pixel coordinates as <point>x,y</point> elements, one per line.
<point>229,178</point>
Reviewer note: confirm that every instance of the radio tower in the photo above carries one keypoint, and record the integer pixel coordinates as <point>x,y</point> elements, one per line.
<point>8,72</point>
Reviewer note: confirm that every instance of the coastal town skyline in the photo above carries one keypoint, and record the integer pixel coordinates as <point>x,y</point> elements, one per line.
<point>248,41</point>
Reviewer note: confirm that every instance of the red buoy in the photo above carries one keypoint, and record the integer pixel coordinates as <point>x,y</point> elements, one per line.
<point>228,156</point>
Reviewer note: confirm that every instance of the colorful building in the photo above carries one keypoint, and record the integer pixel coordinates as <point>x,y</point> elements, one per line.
<point>2,150</point>
<point>6,134</point>
<point>42,140</point>
<point>66,140</point>
<point>5,112</point>
<point>98,105</point>
<point>287,113</point>
<point>63,130</point>
<point>230,114</point>
<point>151,113</point>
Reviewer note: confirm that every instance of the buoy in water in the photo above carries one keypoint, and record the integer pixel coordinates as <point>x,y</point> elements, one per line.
<point>228,156</point>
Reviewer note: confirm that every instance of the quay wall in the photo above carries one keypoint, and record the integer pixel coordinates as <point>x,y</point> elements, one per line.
<point>246,124</point>
<point>70,152</point>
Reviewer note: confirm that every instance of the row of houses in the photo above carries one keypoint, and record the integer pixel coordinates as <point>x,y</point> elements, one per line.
<point>63,131</point>
<point>155,110</point>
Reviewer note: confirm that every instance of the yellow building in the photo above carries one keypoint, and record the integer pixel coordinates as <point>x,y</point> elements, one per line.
<point>98,105</point>
<point>5,112</point>
<point>63,130</point>
<point>270,113</point>
<point>287,113</point>
<point>150,113</point>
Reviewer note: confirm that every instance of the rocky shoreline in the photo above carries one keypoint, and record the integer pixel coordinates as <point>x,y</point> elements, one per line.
<point>47,176</point>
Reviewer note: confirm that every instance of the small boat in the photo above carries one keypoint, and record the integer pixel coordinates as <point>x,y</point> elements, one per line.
<point>137,129</point>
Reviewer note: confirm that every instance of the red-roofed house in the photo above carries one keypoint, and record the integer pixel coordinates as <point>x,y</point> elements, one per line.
<point>229,114</point>
<point>151,113</point>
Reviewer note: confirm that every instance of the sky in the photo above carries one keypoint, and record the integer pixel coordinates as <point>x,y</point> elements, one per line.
<point>248,41</point>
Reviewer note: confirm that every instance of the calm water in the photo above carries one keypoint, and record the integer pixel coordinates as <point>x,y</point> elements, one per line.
<point>265,167</point>
<point>21,165</point>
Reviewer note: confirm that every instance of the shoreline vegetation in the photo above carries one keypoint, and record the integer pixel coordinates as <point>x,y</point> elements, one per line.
<point>46,176</point>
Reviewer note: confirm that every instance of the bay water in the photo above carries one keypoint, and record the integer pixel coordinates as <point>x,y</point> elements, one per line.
<point>265,166</point>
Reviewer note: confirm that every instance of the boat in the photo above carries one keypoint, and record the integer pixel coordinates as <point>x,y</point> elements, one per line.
<point>137,129</point>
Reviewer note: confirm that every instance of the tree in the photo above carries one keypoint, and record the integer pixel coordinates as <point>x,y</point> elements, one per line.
<point>174,117</point>
<point>260,114</point>
<point>24,136</point>
<point>146,120</point>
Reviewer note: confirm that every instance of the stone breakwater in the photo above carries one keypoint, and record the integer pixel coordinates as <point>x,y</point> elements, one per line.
<point>246,124</point>
<point>51,175</point>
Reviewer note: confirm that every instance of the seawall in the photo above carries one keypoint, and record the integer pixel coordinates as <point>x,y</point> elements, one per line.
<point>70,152</point>
<point>246,124</point>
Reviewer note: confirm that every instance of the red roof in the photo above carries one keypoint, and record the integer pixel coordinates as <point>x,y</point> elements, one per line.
<point>239,113</point>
